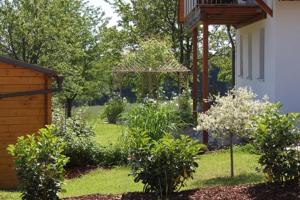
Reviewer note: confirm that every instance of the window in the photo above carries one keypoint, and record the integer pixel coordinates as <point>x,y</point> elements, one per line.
<point>262,55</point>
<point>241,57</point>
<point>249,56</point>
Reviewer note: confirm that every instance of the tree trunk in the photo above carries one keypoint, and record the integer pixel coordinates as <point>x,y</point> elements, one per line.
<point>231,156</point>
<point>69,103</point>
<point>232,55</point>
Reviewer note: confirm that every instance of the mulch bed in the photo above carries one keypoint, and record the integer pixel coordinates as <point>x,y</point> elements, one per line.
<point>256,192</point>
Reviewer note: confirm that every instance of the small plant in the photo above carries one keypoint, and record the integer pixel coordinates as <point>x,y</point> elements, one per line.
<point>154,119</point>
<point>113,110</point>
<point>40,163</point>
<point>185,109</point>
<point>164,165</point>
<point>276,138</point>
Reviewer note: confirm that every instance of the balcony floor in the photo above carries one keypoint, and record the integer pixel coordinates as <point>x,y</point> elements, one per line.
<point>235,15</point>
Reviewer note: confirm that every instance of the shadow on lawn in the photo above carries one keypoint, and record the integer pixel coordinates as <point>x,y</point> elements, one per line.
<point>237,180</point>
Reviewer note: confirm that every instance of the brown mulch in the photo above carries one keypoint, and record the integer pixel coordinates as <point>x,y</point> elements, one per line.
<point>256,192</point>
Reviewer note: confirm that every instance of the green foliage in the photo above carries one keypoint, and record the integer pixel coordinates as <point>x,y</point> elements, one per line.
<point>152,54</point>
<point>157,159</point>
<point>78,137</point>
<point>143,19</point>
<point>113,110</point>
<point>276,137</point>
<point>249,148</point>
<point>40,163</point>
<point>61,34</point>
<point>164,165</point>
<point>185,109</point>
<point>153,118</point>
<point>114,155</point>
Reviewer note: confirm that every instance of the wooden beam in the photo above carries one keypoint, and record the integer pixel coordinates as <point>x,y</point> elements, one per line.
<point>205,75</point>
<point>195,72</point>
<point>181,11</point>
<point>265,7</point>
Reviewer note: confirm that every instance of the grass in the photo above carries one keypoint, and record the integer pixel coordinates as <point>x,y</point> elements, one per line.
<point>213,168</point>
<point>107,134</point>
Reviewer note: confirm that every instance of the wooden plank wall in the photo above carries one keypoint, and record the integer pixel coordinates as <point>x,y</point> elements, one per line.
<point>20,115</point>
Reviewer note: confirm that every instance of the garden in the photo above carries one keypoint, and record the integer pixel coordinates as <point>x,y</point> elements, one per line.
<point>144,154</point>
<point>124,126</point>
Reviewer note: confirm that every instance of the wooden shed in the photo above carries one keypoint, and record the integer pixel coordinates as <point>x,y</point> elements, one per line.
<point>25,107</point>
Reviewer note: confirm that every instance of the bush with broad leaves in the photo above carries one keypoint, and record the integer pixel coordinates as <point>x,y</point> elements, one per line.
<point>40,163</point>
<point>276,137</point>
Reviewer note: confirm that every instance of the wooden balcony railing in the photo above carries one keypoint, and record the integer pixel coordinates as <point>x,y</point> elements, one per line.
<point>190,5</point>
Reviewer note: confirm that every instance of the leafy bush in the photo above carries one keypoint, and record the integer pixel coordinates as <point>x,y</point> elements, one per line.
<point>276,137</point>
<point>39,162</point>
<point>164,165</point>
<point>113,155</point>
<point>154,119</point>
<point>249,148</point>
<point>114,109</point>
<point>77,135</point>
<point>185,109</point>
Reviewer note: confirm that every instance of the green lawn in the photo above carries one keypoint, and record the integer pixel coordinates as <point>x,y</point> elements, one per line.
<point>213,169</point>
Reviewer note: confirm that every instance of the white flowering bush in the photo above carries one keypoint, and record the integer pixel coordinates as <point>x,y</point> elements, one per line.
<point>231,114</point>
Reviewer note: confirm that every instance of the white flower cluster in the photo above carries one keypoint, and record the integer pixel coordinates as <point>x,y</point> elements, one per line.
<point>232,113</point>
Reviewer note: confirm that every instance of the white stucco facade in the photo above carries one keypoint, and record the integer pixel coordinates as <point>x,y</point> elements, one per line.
<point>280,63</point>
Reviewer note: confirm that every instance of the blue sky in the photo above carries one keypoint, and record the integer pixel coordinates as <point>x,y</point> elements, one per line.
<point>107,9</point>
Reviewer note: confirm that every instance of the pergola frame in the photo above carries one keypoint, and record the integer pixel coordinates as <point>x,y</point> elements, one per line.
<point>171,67</point>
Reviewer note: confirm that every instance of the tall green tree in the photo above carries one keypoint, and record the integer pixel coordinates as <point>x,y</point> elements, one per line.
<point>61,34</point>
<point>144,19</point>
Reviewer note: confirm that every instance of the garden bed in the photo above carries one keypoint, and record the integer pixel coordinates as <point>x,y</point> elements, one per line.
<point>256,192</point>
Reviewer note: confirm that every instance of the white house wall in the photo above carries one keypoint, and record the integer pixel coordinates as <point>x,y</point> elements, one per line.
<point>261,87</point>
<point>282,56</point>
<point>287,34</point>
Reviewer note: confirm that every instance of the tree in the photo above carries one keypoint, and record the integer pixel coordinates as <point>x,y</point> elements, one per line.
<point>231,114</point>
<point>151,60</point>
<point>144,19</point>
<point>62,34</point>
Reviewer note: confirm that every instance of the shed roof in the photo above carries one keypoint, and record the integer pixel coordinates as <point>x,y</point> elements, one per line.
<point>22,64</point>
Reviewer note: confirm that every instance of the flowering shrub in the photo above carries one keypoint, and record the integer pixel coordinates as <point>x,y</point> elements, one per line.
<point>276,138</point>
<point>40,163</point>
<point>231,114</point>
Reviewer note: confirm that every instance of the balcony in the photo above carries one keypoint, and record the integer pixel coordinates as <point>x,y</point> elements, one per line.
<point>225,12</point>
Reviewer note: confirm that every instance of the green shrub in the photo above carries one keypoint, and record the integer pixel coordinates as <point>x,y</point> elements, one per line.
<point>113,110</point>
<point>276,137</point>
<point>39,162</point>
<point>113,155</point>
<point>79,144</point>
<point>154,119</point>
<point>249,148</point>
<point>164,165</point>
<point>185,109</point>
